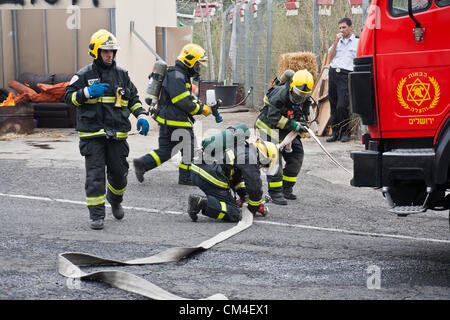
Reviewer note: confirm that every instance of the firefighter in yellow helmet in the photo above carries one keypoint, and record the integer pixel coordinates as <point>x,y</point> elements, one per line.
<point>237,169</point>
<point>286,109</point>
<point>177,106</point>
<point>104,97</point>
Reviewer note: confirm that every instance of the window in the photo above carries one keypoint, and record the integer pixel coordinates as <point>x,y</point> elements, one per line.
<point>399,8</point>
<point>443,3</point>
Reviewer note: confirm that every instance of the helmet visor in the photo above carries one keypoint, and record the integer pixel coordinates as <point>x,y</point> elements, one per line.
<point>299,94</point>
<point>197,67</point>
<point>203,59</point>
<point>109,47</point>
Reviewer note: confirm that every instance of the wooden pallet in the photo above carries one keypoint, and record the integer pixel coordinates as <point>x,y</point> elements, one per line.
<point>320,94</point>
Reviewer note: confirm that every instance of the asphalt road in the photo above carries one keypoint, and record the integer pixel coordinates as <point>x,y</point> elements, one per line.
<point>335,242</point>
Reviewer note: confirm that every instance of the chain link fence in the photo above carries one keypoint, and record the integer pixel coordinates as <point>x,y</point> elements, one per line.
<point>240,32</point>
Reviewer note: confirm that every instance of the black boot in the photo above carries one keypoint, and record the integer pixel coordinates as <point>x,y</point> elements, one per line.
<point>97,224</point>
<point>345,137</point>
<point>196,203</point>
<point>116,207</point>
<point>139,169</point>
<point>287,193</point>
<point>185,181</point>
<point>334,137</point>
<point>117,211</point>
<point>278,198</point>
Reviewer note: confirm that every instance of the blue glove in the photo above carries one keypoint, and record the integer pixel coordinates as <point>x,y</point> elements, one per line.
<point>145,126</point>
<point>98,89</point>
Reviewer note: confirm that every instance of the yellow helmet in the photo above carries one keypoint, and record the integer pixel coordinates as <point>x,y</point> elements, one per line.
<point>301,86</point>
<point>267,153</point>
<point>191,53</point>
<point>102,39</point>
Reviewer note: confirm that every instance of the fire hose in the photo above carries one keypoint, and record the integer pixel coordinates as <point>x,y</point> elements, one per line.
<point>69,264</point>
<point>291,136</point>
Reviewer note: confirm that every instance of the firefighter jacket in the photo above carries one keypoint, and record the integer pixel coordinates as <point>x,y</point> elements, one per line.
<point>279,113</point>
<point>236,168</point>
<point>101,116</point>
<point>177,105</point>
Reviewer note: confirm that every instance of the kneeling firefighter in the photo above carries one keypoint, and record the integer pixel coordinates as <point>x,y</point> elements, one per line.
<point>104,97</point>
<point>286,109</point>
<point>176,108</point>
<point>237,169</point>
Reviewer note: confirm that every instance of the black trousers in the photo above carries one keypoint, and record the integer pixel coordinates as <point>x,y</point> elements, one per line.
<point>339,102</point>
<point>172,140</point>
<point>101,153</point>
<point>286,176</point>
<point>221,203</point>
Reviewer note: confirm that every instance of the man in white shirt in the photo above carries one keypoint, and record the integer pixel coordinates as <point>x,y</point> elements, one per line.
<point>341,53</point>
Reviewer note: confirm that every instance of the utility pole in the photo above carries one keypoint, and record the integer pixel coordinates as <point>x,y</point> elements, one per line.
<point>269,44</point>
<point>205,43</point>
<point>210,51</point>
<point>316,30</point>
<point>365,6</point>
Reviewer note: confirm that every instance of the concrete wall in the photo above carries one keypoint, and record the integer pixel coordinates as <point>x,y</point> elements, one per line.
<point>61,39</point>
<point>133,54</point>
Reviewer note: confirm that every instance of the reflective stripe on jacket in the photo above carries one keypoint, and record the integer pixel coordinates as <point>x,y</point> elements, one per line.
<point>177,103</point>
<point>237,169</point>
<point>278,112</point>
<point>100,116</point>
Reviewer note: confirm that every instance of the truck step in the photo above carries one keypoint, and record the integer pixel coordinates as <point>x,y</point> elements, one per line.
<point>405,210</point>
<point>411,152</point>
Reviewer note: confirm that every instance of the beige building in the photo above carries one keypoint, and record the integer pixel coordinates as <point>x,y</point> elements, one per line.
<point>43,38</point>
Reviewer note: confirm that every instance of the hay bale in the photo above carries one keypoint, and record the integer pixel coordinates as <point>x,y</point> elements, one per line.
<point>298,61</point>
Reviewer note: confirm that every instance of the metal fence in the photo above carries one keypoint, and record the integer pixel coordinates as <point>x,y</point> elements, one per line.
<point>249,44</point>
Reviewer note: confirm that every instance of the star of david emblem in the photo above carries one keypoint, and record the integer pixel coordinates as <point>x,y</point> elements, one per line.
<point>418,92</point>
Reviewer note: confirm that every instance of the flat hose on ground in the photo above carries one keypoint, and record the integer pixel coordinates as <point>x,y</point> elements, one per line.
<point>69,263</point>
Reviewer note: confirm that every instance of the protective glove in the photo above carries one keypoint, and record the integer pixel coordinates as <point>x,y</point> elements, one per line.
<point>142,122</point>
<point>299,126</point>
<point>254,209</point>
<point>240,202</point>
<point>97,89</point>
<point>262,209</point>
<point>206,110</point>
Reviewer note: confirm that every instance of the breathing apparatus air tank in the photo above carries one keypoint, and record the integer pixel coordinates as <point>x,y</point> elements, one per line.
<point>155,83</point>
<point>227,138</point>
<point>286,76</point>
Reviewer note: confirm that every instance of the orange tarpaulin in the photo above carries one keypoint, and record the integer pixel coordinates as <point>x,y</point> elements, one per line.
<point>50,92</point>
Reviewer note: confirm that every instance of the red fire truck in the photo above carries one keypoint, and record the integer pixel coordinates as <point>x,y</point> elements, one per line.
<point>400,89</point>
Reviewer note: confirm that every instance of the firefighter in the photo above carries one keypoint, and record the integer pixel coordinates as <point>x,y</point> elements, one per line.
<point>104,97</point>
<point>237,169</point>
<point>286,108</point>
<point>177,106</point>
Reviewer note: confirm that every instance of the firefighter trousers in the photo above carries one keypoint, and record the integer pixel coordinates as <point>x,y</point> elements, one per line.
<point>221,203</point>
<point>171,140</point>
<point>286,176</point>
<point>101,153</point>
